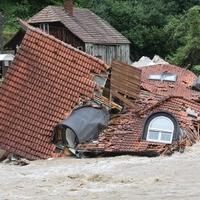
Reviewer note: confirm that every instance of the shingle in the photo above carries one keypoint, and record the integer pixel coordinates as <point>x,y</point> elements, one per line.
<point>41,86</point>
<point>84,24</point>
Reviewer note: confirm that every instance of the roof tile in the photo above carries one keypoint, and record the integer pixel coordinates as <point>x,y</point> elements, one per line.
<point>42,84</point>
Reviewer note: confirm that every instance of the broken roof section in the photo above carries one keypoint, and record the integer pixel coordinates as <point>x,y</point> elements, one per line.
<point>125,80</point>
<point>162,101</point>
<point>152,81</point>
<point>45,81</point>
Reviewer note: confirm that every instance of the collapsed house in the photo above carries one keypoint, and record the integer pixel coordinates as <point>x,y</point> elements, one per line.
<point>51,100</point>
<point>46,80</point>
<point>164,118</point>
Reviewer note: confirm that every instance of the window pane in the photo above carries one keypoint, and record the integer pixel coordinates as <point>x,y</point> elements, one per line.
<point>155,77</point>
<point>162,123</point>
<point>153,135</point>
<point>169,77</point>
<point>165,136</point>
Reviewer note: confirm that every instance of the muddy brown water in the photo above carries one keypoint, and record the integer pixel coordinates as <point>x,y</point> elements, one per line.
<point>124,177</point>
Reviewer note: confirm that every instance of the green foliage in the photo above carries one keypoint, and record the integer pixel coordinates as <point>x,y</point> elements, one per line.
<point>1,31</point>
<point>196,70</point>
<point>187,33</point>
<point>165,27</point>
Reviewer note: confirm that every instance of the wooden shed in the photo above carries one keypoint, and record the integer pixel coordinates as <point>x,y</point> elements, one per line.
<point>82,29</point>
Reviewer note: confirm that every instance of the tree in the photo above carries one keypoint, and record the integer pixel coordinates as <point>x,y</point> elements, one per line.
<point>188,35</point>
<point>1,31</point>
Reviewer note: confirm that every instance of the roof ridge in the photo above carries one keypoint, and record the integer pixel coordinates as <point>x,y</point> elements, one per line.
<point>163,65</point>
<point>71,18</point>
<point>98,31</point>
<point>142,111</point>
<point>28,26</point>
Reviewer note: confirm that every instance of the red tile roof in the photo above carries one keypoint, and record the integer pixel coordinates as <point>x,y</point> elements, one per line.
<point>181,87</point>
<point>46,80</point>
<point>86,25</point>
<point>124,134</point>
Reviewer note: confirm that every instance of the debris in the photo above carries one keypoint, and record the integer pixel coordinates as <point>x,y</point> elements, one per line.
<point>83,125</point>
<point>143,61</point>
<point>46,80</point>
<point>16,160</point>
<point>196,84</point>
<point>125,80</point>
<point>191,113</point>
<point>146,61</point>
<point>158,60</point>
<point>3,155</point>
<point>157,122</point>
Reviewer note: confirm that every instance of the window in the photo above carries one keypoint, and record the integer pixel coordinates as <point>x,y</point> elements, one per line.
<point>155,77</point>
<point>160,129</point>
<point>169,77</point>
<point>165,76</point>
<point>44,27</point>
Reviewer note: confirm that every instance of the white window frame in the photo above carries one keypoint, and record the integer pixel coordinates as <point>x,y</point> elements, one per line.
<point>160,131</point>
<point>165,76</point>
<point>169,77</point>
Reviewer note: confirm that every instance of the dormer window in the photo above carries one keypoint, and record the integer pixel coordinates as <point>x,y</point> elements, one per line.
<point>161,127</point>
<point>165,76</point>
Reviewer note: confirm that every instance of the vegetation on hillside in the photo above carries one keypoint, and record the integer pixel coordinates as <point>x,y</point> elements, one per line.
<point>169,28</point>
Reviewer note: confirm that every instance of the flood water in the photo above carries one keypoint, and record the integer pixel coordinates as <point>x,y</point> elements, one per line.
<point>124,177</point>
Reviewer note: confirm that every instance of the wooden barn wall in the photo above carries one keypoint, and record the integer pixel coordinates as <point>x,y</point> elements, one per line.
<point>62,33</point>
<point>108,53</point>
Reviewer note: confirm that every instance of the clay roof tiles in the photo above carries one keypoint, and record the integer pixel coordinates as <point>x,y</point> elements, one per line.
<point>84,24</point>
<point>45,81</point>
<point>181,87</point>
<point>124,133</point>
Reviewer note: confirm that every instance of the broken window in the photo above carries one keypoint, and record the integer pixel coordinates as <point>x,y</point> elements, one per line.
<point>160,129</point>
<point>165,76</point>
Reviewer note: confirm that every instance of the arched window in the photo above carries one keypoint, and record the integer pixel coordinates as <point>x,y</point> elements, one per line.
<point>160,129</point>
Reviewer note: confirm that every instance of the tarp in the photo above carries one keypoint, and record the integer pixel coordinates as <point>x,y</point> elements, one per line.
<point>83,125</point>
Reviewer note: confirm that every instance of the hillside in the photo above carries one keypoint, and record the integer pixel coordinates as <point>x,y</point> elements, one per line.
<point>169,28</point>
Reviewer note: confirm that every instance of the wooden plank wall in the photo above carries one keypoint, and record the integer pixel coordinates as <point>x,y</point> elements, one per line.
<point>65,35</point>
<point>109,52</point>
<point>125,79</point>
